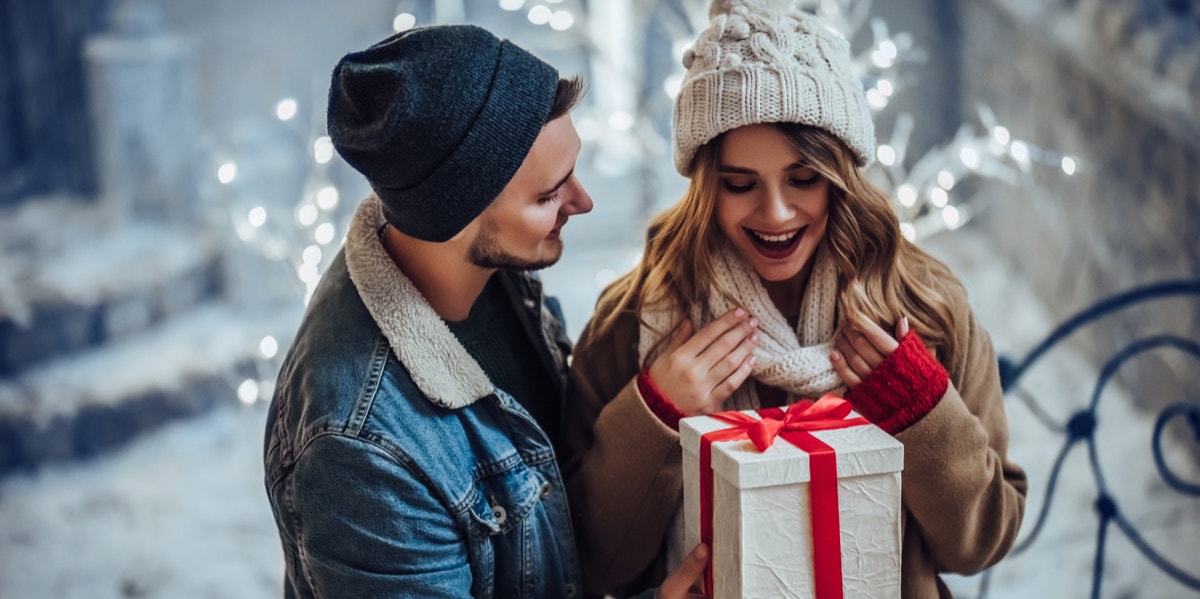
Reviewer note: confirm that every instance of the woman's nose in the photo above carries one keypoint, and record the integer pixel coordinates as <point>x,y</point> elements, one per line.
<point>774,206</point>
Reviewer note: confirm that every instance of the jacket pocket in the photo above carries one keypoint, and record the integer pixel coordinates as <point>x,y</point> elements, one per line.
<point>503,499</point>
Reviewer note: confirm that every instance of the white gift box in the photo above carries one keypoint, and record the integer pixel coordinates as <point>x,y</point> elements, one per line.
<point>762,530</point>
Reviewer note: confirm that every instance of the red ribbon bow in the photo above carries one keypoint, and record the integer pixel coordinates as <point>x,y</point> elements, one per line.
<point>793,425</point>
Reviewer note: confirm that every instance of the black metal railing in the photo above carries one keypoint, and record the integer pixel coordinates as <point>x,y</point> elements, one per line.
<point>1082,425</point>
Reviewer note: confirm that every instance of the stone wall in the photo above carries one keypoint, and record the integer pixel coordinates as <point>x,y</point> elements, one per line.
<point>1116,85</point>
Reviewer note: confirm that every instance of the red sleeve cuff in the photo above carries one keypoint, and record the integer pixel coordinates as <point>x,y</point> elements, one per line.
<point>658,404</point>
<point>903,388</point>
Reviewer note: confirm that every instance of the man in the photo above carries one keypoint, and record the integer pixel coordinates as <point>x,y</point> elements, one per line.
<point>408,445</point>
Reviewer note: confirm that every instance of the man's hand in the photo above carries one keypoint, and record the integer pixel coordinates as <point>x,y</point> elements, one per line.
<point>678,585</point>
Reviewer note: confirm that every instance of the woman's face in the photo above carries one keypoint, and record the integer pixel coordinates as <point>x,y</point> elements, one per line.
<point>770,204</point>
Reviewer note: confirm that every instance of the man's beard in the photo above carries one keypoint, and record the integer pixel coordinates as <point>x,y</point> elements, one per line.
<point>485,252</point>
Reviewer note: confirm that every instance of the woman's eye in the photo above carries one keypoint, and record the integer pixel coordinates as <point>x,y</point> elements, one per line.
<point>737,188</point>
<point>804,176</point>
<point>548,199</point>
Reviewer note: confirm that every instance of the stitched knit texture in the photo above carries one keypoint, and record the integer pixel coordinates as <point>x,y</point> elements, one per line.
<point>766,61</point>
<point>902,389</point>
<point>796,361</point>
<point>438,119</point>
<point>662,407</point>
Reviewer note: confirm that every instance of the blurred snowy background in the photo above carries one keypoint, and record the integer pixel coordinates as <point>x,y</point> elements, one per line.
<point>168,199</point>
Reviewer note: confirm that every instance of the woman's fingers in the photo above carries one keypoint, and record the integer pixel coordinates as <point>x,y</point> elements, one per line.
<point>850,358</point>
<point>679,336</point>
<point>736,368</point>
<point>728,361</point>
<point>862,347</point>
<point>878,338</point>
<point>697,372</point>
<point>720,336</point>
<point>844,371</point>
<point>730,342</point>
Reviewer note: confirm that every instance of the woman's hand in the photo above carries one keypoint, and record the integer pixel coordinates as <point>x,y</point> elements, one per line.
<point>860,346</point>
<point>699,372</point>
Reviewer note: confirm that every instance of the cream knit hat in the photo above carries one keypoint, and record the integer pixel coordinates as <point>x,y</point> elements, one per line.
<point>766,61</point>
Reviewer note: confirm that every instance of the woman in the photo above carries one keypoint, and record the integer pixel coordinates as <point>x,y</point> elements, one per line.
<point>782,274</point>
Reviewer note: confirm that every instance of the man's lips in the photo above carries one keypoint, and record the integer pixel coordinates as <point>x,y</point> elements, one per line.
<point>556,232</point>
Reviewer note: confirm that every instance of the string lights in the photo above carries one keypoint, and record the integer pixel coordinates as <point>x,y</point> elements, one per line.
<point>295,228</point>
<point>927,192</point>
<point>924,194</point>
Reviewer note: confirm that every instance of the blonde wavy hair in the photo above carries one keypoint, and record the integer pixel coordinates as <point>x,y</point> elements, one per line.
<point>881,275</point>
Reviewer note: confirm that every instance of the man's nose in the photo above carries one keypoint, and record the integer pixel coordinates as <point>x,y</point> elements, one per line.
<point>578,200</point>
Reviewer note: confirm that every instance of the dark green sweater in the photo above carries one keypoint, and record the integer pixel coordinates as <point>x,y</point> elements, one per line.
<point>493,335</point>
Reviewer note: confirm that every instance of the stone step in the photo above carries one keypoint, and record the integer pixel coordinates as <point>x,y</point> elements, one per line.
<point>95,285</point>
<point>83,405</point>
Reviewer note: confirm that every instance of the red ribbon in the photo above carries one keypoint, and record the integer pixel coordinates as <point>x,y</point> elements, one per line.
<point>827,413</point>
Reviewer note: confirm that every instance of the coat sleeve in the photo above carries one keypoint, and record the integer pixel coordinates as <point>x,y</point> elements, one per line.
<point>367,527</point>
<point>622,465</point>
<point>963,493</point>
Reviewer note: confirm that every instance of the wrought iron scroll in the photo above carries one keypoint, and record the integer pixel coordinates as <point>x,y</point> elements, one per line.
<point>1082,425</point>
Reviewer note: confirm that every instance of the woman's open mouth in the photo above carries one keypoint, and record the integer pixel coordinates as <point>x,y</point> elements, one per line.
<point>776,246</point>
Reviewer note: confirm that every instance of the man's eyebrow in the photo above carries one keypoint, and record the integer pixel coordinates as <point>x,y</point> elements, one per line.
<point>562,182</point>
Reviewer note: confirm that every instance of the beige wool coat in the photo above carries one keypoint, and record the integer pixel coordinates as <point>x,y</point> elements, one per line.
<point>963,499</point>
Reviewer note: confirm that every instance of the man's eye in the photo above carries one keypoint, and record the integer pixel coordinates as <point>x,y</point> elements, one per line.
<point>737,188</point>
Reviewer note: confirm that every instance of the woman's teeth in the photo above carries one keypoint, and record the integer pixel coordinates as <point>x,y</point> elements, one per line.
<point>776,246</point>
<point>783,238</point>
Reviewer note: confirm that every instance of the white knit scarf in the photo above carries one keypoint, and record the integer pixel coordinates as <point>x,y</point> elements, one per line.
<point>795,361</point>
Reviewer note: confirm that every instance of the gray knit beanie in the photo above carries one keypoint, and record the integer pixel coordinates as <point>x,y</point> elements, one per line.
<point>766,61</point>
<point>438,119</point>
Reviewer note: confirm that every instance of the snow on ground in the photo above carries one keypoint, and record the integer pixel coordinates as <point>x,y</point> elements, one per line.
<point>182,513</point>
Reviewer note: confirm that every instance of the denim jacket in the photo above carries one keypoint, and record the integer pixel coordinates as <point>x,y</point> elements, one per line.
<point>394,468</point>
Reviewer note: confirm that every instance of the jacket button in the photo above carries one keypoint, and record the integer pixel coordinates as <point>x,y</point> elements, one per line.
<point>531,304</point>
<point>499,514</point>
<point>546,489</point>
<point>569,590</point>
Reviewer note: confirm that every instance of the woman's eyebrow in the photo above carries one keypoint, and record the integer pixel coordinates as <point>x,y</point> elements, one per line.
<point>725,168</point>
<point>739,170</point>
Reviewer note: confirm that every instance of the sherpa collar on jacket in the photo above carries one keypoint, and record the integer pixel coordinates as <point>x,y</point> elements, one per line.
<point>439,365</point>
